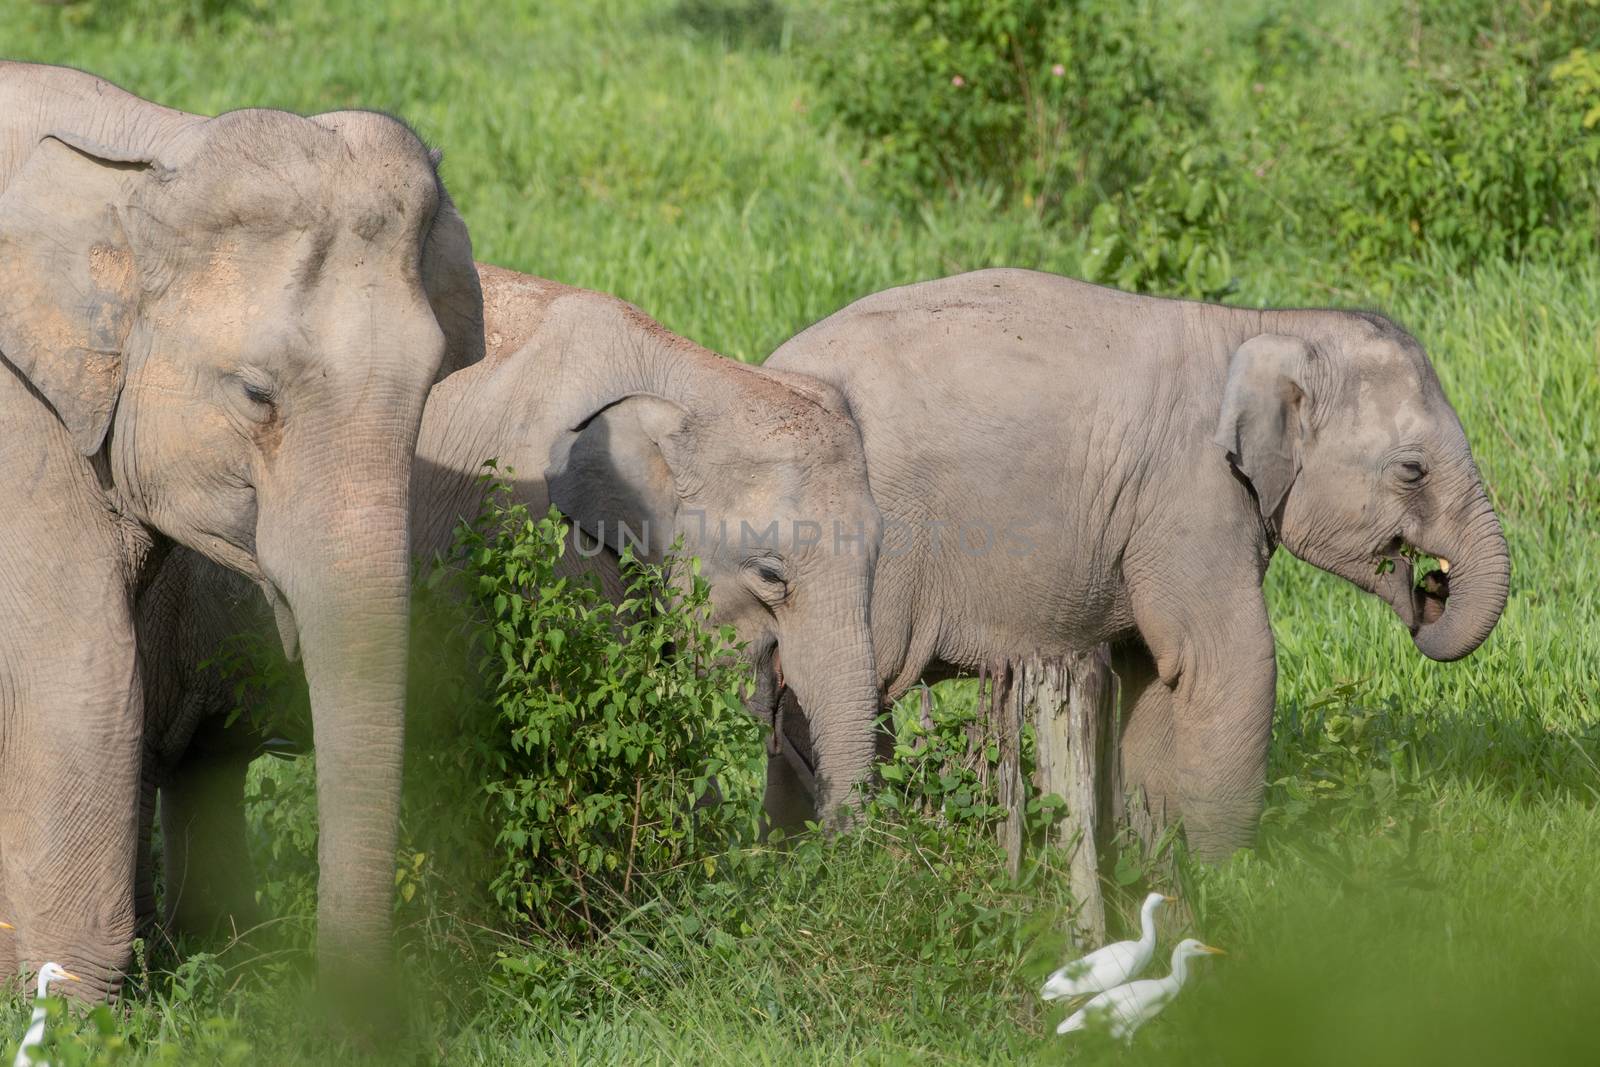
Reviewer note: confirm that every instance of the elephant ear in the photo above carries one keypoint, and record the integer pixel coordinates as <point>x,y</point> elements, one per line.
<point>68,280</point>
<point>450,278</point>
<point>620,481</point>
<point>1264,423</point>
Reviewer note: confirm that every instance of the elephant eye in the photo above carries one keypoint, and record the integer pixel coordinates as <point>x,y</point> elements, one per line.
<point>1411,472</point>
<point>769,572</point>
<point>258,394</point>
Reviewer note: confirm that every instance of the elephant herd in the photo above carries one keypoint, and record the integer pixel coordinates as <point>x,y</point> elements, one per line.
<point>250,372</point>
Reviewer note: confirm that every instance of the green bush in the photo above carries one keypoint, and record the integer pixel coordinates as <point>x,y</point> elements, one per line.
<point>562,751</point>
<point>618,748</point>
<point>1469,140</point>
<point>1493,163</point>
<point>1168,232</point>
<point>945,764</point>
<point>1050,104</point>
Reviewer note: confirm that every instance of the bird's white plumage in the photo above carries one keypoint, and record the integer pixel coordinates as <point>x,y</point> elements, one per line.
<point>50,972</point>
<point>1108,967</point>
<point>1121,1011</point>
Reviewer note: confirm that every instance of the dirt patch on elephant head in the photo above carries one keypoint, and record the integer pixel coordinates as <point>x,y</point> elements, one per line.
<point>111,268</point>
<point>514,307</point>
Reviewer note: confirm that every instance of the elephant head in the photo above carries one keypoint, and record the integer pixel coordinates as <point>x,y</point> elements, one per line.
<point>238,319</point>
<point>763,477</point>
<point>1359,464</point>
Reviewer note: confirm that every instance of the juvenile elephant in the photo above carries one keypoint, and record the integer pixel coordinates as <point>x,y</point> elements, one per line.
<point>1059,464</point>
<point>216,333</point>
<point>634,433</point>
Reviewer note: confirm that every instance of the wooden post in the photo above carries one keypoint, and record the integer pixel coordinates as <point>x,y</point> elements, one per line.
<point>1070,703</point>
<point>1006,711</point>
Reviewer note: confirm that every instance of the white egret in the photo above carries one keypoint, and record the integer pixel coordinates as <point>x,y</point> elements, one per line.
<point>1106,968</point>
<point>50,972</point>
<point>1126,1008</point>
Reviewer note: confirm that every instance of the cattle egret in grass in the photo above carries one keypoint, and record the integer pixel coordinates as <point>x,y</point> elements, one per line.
<point>1109,967</point>
<point>50,972</point>
<point>1126,1008</point>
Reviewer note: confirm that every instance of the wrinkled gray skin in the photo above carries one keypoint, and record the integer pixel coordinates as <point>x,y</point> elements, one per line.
<point>217,333</point>
<point>617,421</point>
<point>1136,461</point>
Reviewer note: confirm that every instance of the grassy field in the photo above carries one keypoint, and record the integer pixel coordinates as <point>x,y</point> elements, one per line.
<point>1428,885</point>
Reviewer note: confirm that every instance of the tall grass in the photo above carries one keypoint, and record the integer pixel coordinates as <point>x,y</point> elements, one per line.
<point>1427,889</point>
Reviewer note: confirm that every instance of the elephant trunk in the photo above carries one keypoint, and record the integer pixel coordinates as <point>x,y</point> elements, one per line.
<point>1458,610</point>
<point>344,571</point>
<point>828,663</point>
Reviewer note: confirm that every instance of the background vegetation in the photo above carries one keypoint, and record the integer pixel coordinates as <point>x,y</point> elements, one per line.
<point>1426,889</point>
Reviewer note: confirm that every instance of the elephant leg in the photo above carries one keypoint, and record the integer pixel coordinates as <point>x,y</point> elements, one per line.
<point>71,703</point>
<point>1214,655</point>
<point>10,961</point>
<point>1147,748</point>
<point>144,884</point>
<point>209,881</point>
<point>71,804</point>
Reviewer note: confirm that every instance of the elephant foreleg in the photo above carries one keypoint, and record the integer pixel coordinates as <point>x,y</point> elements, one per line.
<point>1215,662</point>
<point>71,807</point>
<point>144,886</point>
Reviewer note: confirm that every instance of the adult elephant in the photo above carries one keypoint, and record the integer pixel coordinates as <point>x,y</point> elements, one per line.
<point>1060,465</point>
<point>635,434</point>
<point>218,333</point>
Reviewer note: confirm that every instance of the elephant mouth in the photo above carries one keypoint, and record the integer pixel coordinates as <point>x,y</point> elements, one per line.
<point>1415,583</point>
<point>770,688</point>
<point>779,688</point>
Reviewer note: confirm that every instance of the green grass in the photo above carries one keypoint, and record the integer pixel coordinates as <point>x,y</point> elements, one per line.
<point>1428,887</point>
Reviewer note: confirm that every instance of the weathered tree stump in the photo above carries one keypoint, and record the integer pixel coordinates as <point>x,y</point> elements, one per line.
<point>1071,703</point>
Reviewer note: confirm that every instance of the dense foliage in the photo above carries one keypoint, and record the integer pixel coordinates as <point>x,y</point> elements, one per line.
<point>617,747</point>
<point>1051,103</point>
<point>1085,112</point>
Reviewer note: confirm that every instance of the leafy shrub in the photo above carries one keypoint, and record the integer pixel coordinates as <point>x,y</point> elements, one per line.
<point>1044,102</point>
<point>1577,78</point>
<point>563,751</point>
<point>179,16</point>
<point>280,803</point>
<point>618,747</point>
<point>945,763</point>
<point>1480,152</point>
<point>753,22</point>
<point>1168,232</point>
<point>1473,166</point>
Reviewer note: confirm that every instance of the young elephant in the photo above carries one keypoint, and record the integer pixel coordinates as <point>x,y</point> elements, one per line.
<point>1060,464</point>
<point>217,333</point>
<point>619,423</point>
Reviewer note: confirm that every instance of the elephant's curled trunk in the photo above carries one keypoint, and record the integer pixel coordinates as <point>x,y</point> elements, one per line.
<point>1477,585</point>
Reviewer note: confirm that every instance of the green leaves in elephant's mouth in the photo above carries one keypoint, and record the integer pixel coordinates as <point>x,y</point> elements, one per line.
<point>1430,585</point>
